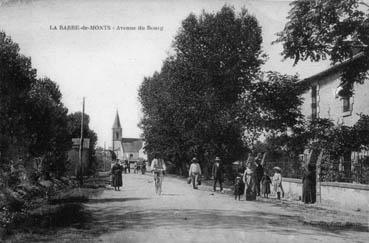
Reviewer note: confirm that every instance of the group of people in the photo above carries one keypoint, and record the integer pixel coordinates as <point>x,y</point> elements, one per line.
<point>256,180</point>
<point>194,173</point>
<point>253,181</point>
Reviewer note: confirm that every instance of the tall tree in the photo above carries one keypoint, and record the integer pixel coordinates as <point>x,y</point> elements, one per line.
<point>16,79</point>
<point>47,125</point>
<point>33,118</point>
<point>190,105</point>
<point>329,29</point>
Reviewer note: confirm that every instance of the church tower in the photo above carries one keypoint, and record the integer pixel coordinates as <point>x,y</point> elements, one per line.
<point>117,136</point>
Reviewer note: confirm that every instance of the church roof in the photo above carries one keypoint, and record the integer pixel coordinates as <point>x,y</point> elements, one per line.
<point>132,144</point>
<point>116,121</point>
<point>130,140</point>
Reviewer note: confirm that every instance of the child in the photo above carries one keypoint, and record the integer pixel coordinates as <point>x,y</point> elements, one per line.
<point>277,182</point>
<point>238,188</point>
<point>265,185</point>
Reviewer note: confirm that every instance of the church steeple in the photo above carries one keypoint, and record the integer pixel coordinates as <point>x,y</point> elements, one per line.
<point>117,129</point>
<point>116,121</point>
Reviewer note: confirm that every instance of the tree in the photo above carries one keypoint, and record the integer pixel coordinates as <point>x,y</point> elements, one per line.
<point>47,125</point>
<point>33,118</point>
<point>270,106</point>
<point>328,29</point>
<point>190,106</point>
<point>16,79</point>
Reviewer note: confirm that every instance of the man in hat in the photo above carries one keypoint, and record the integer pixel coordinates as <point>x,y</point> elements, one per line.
<point>218,173</point>
<point>194,172</point>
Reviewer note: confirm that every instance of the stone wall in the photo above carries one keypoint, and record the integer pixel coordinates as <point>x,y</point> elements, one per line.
<point>342,195</point>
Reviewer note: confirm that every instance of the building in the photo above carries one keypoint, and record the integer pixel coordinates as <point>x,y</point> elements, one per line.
<point>130,149</point>
<point>324,97</point>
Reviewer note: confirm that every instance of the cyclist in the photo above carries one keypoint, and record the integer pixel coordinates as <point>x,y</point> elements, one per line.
<point>158,169</point>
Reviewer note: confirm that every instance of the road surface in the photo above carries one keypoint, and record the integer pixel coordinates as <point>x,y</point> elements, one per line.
<point>181,214</point>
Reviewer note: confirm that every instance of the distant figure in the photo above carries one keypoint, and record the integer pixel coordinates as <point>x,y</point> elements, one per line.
<point>239,188</point>
<point>250,185</point>
<point>116,172</point>
<point>309,185</point>
<point>124,167</point>
<point>218,174</point>
<point>265,185</point>
<point>194,172</point>
<point>143,167</point>
<point>128,166</point>
<point>135,168</point>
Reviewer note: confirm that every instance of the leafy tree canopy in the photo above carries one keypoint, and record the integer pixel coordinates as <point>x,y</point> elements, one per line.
<point>271,104</point>
<point>190,105</point>
<point>328,29</point>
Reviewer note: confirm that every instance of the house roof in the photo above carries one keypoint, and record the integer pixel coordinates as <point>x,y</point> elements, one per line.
<point>332,69</point>
<point>116,121</point>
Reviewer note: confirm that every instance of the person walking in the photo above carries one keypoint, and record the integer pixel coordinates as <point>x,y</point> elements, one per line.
<point>116,172</point>
<point>250,185</point>
<point>194,172</point>
<point>128,166</point>
<point>218,174</point>
<point>158,169</point>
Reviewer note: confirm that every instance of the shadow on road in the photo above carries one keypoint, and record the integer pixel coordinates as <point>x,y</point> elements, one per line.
<point>110,220</point>
<point>108,200</point>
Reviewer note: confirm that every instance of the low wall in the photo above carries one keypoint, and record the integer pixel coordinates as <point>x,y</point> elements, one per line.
<point>336,194</point>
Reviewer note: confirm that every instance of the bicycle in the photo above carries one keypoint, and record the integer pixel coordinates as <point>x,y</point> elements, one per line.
<point>158,174</point>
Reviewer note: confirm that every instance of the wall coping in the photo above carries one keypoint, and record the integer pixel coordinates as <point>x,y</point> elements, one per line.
<point>294,180</point>
<point>346,185</point>
<point>333,184</point>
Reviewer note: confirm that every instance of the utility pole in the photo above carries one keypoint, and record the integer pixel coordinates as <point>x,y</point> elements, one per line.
<point>81,143</point>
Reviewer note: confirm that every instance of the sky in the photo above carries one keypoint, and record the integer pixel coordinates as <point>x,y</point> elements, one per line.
<point>108,66</point>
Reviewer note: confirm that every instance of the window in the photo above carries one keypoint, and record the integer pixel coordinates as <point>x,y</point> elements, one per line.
<point>314,110</point>
<point>116,135</point>
<point>346,104</point>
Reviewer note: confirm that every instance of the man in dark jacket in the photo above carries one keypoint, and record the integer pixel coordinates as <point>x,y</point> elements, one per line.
<point>259,172</point>
<point>218,173</point>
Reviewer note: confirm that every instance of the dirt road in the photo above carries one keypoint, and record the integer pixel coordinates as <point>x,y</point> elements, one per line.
<point>181,214</point>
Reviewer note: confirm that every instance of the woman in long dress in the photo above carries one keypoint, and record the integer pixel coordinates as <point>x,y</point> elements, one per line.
<point>116,172</point>
<point>250,185</point>
<point>308,185</point>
